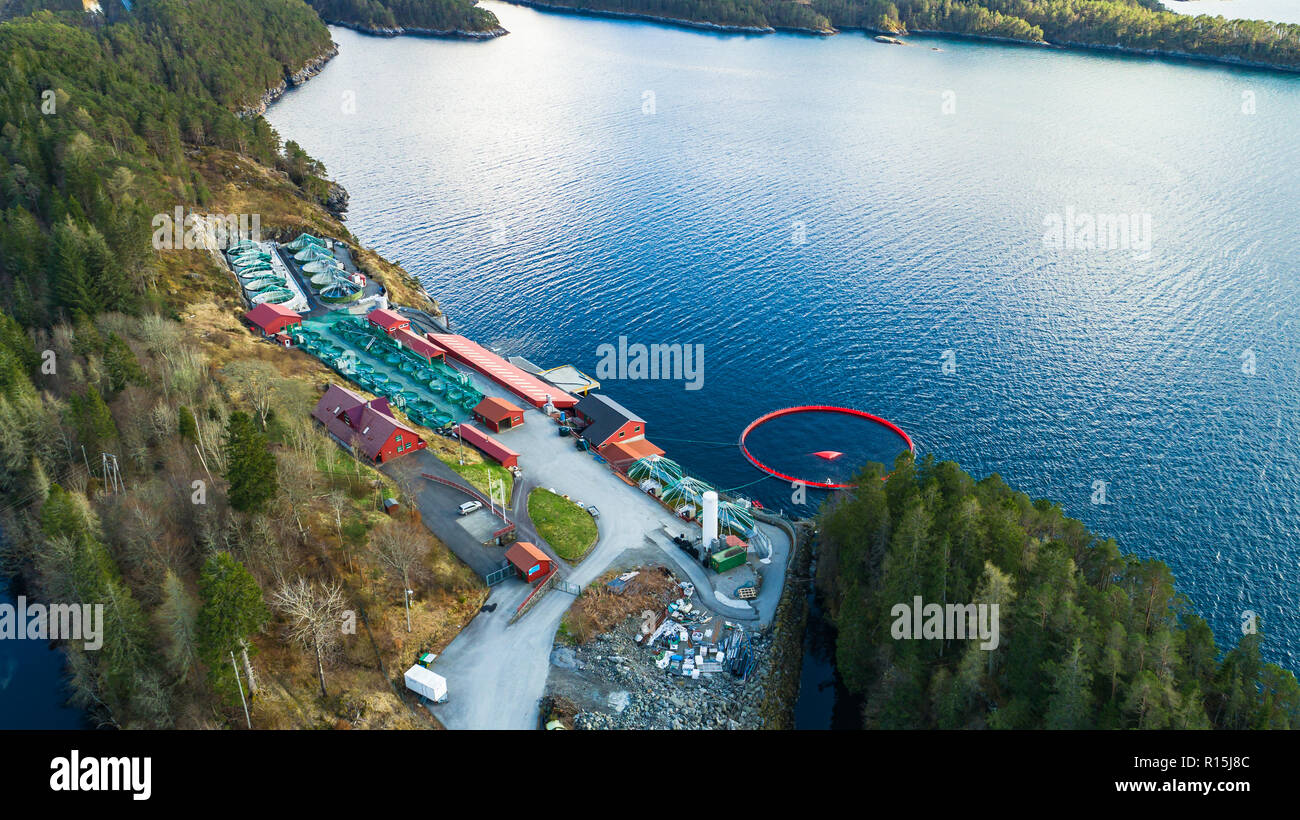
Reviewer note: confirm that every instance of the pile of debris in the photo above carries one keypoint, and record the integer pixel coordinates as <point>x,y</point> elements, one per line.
<point>634,694</point>
<point>692,643</point>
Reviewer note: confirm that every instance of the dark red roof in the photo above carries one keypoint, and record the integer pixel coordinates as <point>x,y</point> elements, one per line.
<point>486,443</point>
<point>353,419</point>
<point>419,344</point>
<point>388,319</point>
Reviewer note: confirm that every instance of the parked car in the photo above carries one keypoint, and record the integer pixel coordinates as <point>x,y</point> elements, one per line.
<point>595,513</point>
<point>469,507</point>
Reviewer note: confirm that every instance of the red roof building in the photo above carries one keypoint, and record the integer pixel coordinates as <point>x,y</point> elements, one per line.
<point>419,344</point>
<point>390,321</point>
<point>271,319</point>
<point>498,414</point>
<point>489,445</point>
<point>610,423</point>
<point>531,562</point>
<point>367,425</point>
<point>621,454</point>
<point>523,384</point>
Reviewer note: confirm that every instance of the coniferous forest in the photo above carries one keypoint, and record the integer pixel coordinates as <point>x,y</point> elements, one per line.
<point>1090,637</point>
<point>1134,25</point>
<point>420,15</point>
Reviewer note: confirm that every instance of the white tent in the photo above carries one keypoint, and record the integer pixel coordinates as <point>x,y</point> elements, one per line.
<point>427,684</point>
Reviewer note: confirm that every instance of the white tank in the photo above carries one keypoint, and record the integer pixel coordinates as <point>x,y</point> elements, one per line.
<point>710,520</point>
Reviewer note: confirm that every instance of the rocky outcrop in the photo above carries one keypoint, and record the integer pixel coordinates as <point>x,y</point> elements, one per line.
<point>336,202</point>
<point>398,31</point>
<point>310,69</point>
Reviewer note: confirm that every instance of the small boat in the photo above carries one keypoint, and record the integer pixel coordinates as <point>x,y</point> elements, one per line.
<point>829,455</point>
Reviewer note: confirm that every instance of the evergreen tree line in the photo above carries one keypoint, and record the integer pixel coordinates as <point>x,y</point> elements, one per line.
<point>1089,637</point>
<point>1142,25</point>
<point>431,15</point>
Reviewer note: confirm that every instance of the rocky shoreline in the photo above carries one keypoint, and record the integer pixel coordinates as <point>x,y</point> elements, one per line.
<point>668,21</point>
<point>310,69</point>
<point>399,31</point>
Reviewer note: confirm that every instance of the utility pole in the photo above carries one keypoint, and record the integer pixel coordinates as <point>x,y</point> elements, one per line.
<point>247,718</point>
<point>407,599</point>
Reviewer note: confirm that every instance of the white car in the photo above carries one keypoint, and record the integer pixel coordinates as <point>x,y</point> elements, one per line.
<point>469,507</point>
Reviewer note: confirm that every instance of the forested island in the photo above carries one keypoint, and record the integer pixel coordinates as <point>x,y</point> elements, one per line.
<point>1089,637</point>
<point>434,17</point>
<point>1136,26</point>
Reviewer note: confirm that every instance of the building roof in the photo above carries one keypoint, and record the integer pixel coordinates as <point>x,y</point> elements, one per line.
<point>266,314</point>
<point>525,555</point>
<point>496,410</point>
<point>606,416</point>
<point>623,452</point>
<point>484,442</point>
<point>388,319</point>
<point>353,419</point>
<point>419,344</point>
<point>522,384</point>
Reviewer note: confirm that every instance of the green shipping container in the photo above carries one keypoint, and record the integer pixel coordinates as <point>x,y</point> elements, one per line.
<point>727,559</point>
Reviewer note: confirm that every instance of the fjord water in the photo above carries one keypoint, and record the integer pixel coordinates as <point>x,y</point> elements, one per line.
<point>830,217</point>
<point>32,694</point>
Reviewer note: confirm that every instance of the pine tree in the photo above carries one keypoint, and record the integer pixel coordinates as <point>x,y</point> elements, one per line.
<point>250,465</point>
<point>231,613</point>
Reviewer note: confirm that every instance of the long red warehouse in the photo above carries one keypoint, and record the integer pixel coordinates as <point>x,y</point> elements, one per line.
<point>529,388</point>
<point>489,445</point>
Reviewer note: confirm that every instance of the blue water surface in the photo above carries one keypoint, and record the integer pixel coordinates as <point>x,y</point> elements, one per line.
<point>845,222</point>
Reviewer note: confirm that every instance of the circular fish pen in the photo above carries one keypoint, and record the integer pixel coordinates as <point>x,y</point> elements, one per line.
<point>828,456</point>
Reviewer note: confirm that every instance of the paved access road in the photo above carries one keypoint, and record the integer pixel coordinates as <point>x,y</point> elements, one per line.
<point>496,671</point>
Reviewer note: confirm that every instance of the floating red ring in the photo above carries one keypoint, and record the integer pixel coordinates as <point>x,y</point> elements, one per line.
<point>815,408</point>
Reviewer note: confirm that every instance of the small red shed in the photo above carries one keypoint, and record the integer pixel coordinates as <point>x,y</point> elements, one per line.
<point>532,563</point>
<point>498,414</point>
<point>490,446</point>
<point>271,319</point>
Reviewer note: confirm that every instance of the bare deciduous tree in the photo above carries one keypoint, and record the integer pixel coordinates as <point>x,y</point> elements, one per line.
<point>315,612</point>
<point>400,546</point>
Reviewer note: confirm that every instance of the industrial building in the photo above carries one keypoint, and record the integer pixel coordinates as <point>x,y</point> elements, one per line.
<point>614,429</point>
<point>389,321</point>
<point>488,445</point>
<point>498,414</point>
<point>271,319</point>
<point>369,425</point>
<point>523,384</point>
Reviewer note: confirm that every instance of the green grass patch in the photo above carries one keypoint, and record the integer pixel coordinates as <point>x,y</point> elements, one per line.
<point>477,475</point>
<point>569,529</point>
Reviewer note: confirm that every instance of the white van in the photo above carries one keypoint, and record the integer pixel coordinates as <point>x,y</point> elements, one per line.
<point>469,507</point>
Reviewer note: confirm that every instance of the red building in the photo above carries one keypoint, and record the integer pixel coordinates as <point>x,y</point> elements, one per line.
<point>367,425</point>
<point>613,430</point>
<point>532,563</point>
<point>419,344</point>
<point>524,385</point>
<point>389,321</point>
<point>498,414</point>
<point>489,445</point>
<point>271,319</point>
